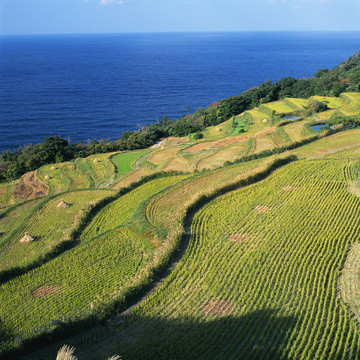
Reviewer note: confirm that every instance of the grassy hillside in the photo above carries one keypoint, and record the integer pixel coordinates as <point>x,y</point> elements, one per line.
<point>228,245</point>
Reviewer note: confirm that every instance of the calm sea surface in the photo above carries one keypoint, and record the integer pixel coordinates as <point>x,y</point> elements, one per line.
<point>96,86</point>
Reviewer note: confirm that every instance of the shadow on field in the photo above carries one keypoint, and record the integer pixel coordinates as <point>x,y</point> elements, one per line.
<point>5,333</point>
<point>257,335</point>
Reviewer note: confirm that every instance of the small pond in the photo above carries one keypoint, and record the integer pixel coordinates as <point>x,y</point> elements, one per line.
<point>292,118</point>
<point>319,127</point>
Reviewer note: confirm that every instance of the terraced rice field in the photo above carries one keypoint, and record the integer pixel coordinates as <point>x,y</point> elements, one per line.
<point>120,210</point>
<point>296,130</point>
<point>298,103</point>
<point>329,145</point>
<point>159,156</point>
<point>125,162</point>
<point>257,273</point>
<point>69,287</point>
<point>325,115</point>
<point>219,157</point>
<point>178,163</point>
<point>280,137</point>
<point>229,287</point>
<point>332,102</point>
<point>280,107</point>
<point>47,223</point>
<point>10,219</point>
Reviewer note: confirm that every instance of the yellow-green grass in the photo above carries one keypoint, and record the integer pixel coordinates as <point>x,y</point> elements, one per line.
<point>280,137</point>
<point>218,131</point>
<point>331,102</point>
<point>325,115</point>
<point>70,286</point>
<point>329,145</point>
<point>351,96</point>
<point>350,110</point>
<point>258,279</point>
<point>353,106</point>
<point>159,156</point>
<point>49,225</point>
<point>120,210</point>
<point>98,168</point>
<point>279,106</point>
<point>295,130</point>
<point>259,121</point>
<point>300,103</point>
<point>6,191</point>
<point>125,162</point>
<point>351,151</point>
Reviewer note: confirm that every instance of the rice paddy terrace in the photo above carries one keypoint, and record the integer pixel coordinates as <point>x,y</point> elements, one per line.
<point>242,244</point>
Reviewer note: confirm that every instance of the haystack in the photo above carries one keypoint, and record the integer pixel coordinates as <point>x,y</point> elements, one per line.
<point>47,177</point>
<point>96,161</point>
<point>62,204</point>
<point>27,238</point>
<point>53,168</point>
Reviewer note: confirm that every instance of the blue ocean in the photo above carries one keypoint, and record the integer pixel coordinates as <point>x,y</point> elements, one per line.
<point>85,87</point>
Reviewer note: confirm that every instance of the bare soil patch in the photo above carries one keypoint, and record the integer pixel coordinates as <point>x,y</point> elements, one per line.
<point>261,208</point>
<point>218,307</point>
<point>44,291</point>
<point>289,188</point>
<point>30,187</point>
<point>239,238</point>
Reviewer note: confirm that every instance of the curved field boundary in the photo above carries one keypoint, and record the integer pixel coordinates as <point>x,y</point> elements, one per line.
<point>126,162</point>
<point>349,285</point>
<point>224,277</point>
<point>171,247</point>
<point>53,229</point>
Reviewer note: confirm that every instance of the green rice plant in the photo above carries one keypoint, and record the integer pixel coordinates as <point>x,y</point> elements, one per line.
<point>120,210</point>
<point>259,277</point>
<point>124,162</point>
<point>71,287</point>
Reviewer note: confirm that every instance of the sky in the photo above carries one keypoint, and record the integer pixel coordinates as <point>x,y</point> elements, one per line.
<point>128,16</point>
